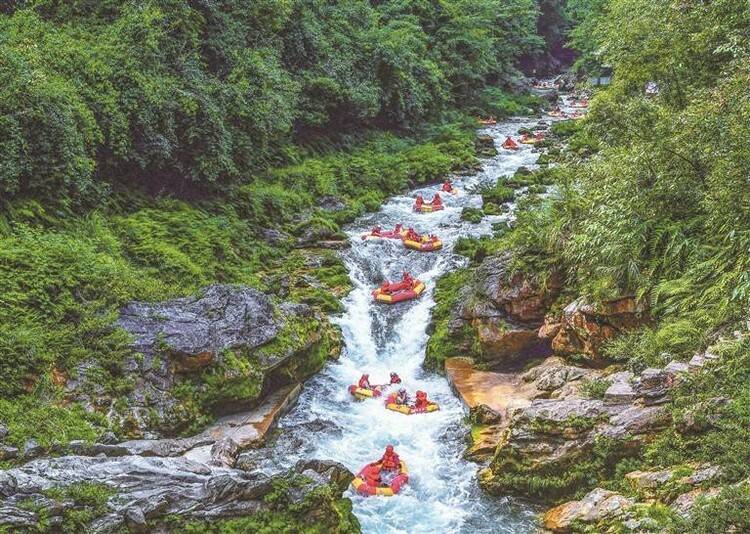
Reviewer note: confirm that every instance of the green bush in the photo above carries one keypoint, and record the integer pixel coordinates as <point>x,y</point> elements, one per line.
<point>472,215</point>
<point>497,194</point>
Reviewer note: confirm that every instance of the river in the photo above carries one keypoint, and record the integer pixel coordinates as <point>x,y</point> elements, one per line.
<point>442,494</point>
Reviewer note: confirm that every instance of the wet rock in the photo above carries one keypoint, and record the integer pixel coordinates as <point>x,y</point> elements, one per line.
<point>32,449</point>
<point>484,440</point>
<point>585,327</point>
<point>520,298</point>
<point>108,438</point>
<point>135,520</point>
<point>8,484</point>
<point>549,329</point>
<point>637,420</point>
<point>177,339</point>
<point>334,244</point>
<point>599,504</point>
<point>3,431</point>
<point>703,474</point>
<point>485,146</point>
<point>331,203</point>
<point>505,309</point>
<point>701,359</point>
<point>8,453</point>
<point>675,368</point>
<point>620,392</point>
<point>504,344</point>
<point>334,473</point>
<point>12,517</point>
<point>653,385</point>
<point>233,434</point>
<point>553,374</point>
<point>484,415</point>
<point>551,435</point>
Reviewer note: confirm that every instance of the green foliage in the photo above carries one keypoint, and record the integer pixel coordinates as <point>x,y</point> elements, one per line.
<point>89,502</point>
<point>32,415</point>
<point>499,103</point>
<point>594,388</point>
<point>565,129</point>
<point>727,512</point>
<point>497,194</point>
<point>184,97</point>
<point>443,343</point>
<point>472,215</point>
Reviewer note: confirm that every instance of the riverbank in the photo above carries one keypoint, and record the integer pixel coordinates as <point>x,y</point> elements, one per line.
<point>629,421</point>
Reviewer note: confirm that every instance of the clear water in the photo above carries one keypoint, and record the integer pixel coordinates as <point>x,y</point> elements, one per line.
<point>442,494</point>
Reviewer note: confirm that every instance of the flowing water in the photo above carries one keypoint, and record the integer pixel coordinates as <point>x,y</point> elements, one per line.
<point>442,494</point>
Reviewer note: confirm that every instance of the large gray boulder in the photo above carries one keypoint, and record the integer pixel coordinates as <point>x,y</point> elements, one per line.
<point>194,330</point>
<point>152,488</point>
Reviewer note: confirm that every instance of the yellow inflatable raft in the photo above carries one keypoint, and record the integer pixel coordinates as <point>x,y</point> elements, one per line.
<point>410,410</point>
<point>363,488</point>
<point>399,295</point>
<point>424,245</point>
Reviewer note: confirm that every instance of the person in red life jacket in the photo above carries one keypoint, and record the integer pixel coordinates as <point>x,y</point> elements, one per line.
<point>433,238</point>
<point>418,203</point>
<point>447,186</point>
<point>411,235</point>
<point>376,230</point>
<point>436,200</point>
<point>421,403</point>
<point>372,475</point>
<point>539,136</point>
<point>407,279</point>
<point>395,379</point>
<point>364,382</point>
<point>397,229</point>
<point>385,287</point>
<point>390,460</point>
<point>509,143</point>
<point>401,397</point>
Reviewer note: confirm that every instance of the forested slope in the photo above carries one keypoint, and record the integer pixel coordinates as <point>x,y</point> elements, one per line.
<point>150,149</point>
<point>651,204</point>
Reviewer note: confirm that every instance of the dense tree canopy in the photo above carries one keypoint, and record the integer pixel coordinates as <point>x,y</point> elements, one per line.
<point>174,94</point>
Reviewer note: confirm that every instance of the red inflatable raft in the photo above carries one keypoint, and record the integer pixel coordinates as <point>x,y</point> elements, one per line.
<point>377,234</point>
<point>392,292</point>
<point>363,486</point>
<point>510,144</point>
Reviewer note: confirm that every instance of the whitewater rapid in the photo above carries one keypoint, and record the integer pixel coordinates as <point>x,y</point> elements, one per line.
<point>442,494</point>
